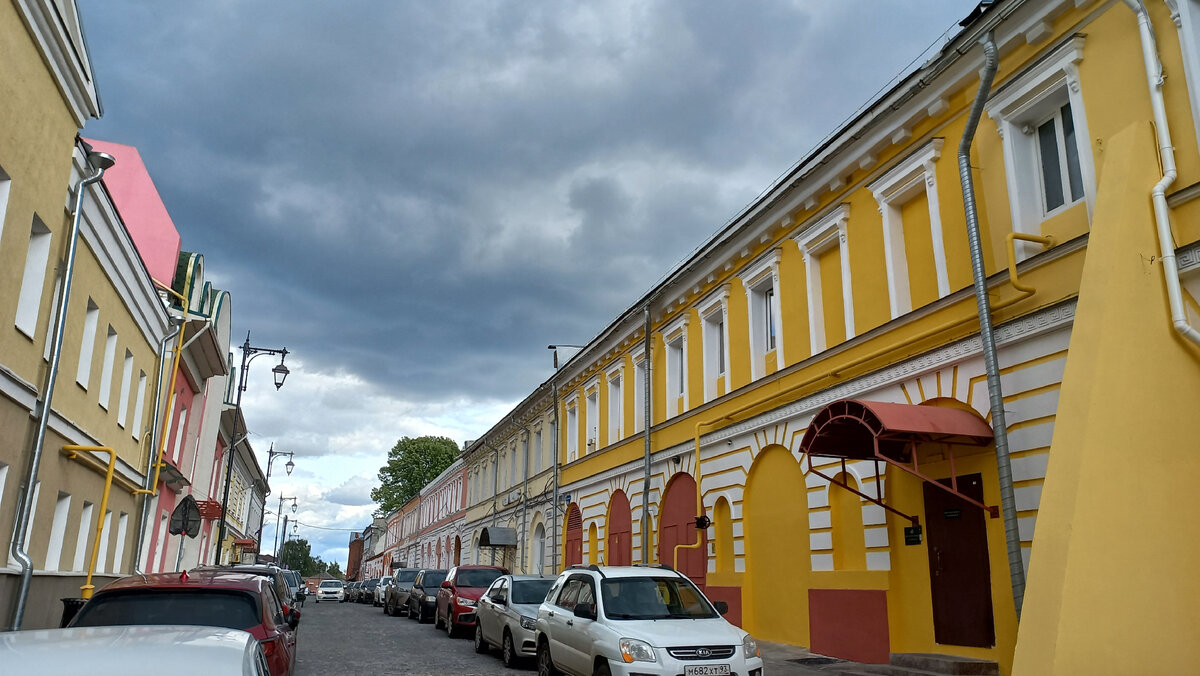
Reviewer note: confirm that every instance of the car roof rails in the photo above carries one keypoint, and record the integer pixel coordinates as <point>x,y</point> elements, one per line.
<point>591,566</point>
<point>660,566</point>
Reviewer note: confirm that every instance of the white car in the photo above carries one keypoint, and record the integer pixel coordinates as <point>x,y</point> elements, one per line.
<point>603,620</point>
<point>507,615</point>
<point>331,590</point>
<point>381,590</point>
<point>133,650</point>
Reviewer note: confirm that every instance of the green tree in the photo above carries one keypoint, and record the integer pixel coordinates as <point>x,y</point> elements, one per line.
<point>412,463</point>
<point>296,555</point>
<point>335,570</point>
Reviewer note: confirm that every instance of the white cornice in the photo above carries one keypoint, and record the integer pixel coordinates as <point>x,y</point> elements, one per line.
<point>68,61</point>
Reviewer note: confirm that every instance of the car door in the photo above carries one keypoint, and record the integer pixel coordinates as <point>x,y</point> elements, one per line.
<point>285,634</point>
<point>445,597</point>
<point>556,623</point>
<point>414,595</point>
<point>577,639</point>
<point>488,612</point>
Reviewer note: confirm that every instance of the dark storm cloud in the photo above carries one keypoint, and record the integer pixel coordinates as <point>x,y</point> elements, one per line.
<point>423,195</point>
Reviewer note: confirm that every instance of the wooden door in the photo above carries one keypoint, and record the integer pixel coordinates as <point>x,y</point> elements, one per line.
<point>573,549</point>
<point>678,526</point>
<point>620,531</point>
<point>959,570</point>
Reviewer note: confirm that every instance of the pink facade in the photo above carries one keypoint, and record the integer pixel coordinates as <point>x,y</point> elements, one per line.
<point>142,209</point>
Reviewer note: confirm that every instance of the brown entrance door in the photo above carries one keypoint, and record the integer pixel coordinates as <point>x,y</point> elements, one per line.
<point>959,573</point>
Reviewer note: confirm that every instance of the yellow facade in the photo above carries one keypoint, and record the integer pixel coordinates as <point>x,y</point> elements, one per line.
<point>851,279</point>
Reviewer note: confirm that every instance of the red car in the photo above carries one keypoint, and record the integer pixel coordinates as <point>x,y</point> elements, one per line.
<point>460,593</point>
<point>211,597</point>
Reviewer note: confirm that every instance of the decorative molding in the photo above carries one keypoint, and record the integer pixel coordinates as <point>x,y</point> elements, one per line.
<point>1188,257</point>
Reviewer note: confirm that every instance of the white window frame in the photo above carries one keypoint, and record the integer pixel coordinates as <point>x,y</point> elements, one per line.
<point>102,554</point>
<point>106,372</point>
<point>1186,15</point>
<point>126,381</point>
<point>119,549</point>
<point>1025,101</point>
<point>904,182</point>
<point>537,432</point>
<point>140,407</point>
<point>615,378</point>
<point>815,240</point>
<point>87,347</point>
<point>760,277</point>
<point>33,279</point>
<point>676,371</point>
<point>591,415</point>
<point>639,391</point>
<point>5,191</point>
<point>81,540</point>
<point>58,531</point>
<point>571,404</point>
<point>714,315</point>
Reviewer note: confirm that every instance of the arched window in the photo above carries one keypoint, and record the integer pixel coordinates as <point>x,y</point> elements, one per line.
<point>849,544</point>
<point>723,547</point>
<point>593,545</point>
<point>539,549</point>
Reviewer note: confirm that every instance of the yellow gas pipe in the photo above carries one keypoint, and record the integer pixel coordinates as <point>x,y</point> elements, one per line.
<point>162,443</point>
<point>1013,279</point>
<point>73,453</point>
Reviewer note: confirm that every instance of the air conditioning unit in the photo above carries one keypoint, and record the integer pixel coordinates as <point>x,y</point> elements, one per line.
<point>591,445</point>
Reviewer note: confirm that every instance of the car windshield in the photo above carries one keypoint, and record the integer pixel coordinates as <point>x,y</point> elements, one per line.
<point>530,591</point>
<point>331,584</point>
<point>210,607</point>
<point>386,580</point>
<point>653,598</point>
<point>370,584</point>
<point>433,579</point>
<point>478,577</point>
<point>406,577</point>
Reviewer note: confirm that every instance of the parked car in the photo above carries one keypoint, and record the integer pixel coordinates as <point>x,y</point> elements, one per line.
<point>331,590</point>
<point>396,600</point>
<point>296,586</point>
<point>272,573</point>
<point>650,620</point>
<point>134,650</point>
<point>422,599</point>
<point>351,591</point>
<point>381,590</point>
<point>459,593</point>
<point>507,615</point>
<point>213,597</point>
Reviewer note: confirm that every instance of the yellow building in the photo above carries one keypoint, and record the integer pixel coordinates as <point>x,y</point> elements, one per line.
<point>112,326</point>
<point>819,384</point>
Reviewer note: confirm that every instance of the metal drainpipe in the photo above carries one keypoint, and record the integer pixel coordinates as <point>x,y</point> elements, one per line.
<point>525,501</point>
<point>25,505</point>
<point>154,436</point>
<point>645,534</point>
<point>554,463</point>
<point>1012,537</point>
<point>495,490</point>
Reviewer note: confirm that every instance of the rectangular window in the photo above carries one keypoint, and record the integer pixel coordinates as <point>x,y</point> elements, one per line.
<point>676,377</point>
<point>58,531</point>
<point>53,316</point>
<point>33,280</point>
<point>139,406</point>
<point>715,384</point>
<point>572,432</point>
<point>537,463</point>
<point>106,372</point>
<point>126,378</point>
<point>639,395</point>
<point>180,428</point>
<point>827,277</point>
<point>1057,148</point>
<point>768,315</point>
<point>83,372</point>
<point>616,403</point>
<point>593,420</point>
<point>37,489</point>
<point>102,553</point>
<point>5,190</point>
<point>85,528</point>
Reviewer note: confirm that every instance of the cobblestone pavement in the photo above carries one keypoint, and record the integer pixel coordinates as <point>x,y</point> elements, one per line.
<point>350,638</point>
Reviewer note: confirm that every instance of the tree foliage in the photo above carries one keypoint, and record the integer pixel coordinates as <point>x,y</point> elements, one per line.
<point>335,570</point>
<point>297,555</point>
<point>412,463</point>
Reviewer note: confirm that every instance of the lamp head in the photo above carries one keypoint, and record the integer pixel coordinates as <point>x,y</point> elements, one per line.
<point>281,373</point>
<point>294,507</point>
<point>290,466</point>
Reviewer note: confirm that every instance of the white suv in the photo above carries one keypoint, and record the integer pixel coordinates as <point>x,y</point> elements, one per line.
<point>603,620</point>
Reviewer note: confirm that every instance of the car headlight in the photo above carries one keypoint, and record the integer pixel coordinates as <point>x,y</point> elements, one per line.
<point>528,622</point>
<point>750,646</point>
<point>464,601</point>
<point>633,650</point>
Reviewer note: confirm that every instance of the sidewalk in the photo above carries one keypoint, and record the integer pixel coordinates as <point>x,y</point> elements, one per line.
<point>779,658</point>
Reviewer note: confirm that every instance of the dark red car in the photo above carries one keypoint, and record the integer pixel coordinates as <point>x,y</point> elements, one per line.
<point>460,593</point>
<point>206,597</point>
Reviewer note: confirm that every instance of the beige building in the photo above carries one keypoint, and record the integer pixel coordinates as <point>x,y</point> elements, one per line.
<point>112,327</point>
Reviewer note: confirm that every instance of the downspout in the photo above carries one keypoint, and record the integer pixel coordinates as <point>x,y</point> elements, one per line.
<point>1166,155</point>
<point>99,162</point>
<point>147,487</point>
<point>554,504</point>
<point>1012,537</point>
<point>525,501</point>
<point>645,534</point>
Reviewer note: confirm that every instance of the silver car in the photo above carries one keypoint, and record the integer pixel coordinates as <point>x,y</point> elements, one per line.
<point>507,613</point>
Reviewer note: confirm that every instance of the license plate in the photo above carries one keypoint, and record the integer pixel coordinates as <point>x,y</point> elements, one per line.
<point>706,670</point>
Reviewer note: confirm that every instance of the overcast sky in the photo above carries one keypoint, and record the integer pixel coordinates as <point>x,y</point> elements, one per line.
<point>415,198</point>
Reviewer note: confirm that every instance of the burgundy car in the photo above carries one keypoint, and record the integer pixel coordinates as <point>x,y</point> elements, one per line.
<point>210,597</point>
<point>460,593</point>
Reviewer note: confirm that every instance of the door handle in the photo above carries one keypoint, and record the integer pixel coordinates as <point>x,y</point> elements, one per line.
<point>550,613</point>
<point>570,623</point>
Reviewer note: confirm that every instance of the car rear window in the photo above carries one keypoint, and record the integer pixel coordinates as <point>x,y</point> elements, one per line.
<point>477,577</point>
<point>210,608</point>
<point>405,576</point>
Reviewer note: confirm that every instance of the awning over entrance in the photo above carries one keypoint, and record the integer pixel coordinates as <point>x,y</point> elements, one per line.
<point>247,544</point>
<point>495,536</point>
<point>855,429</point>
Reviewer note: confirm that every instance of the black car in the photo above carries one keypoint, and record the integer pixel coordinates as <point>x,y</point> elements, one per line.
<point>422,600</point>
<point>396,601</point>
<point>367,592</point>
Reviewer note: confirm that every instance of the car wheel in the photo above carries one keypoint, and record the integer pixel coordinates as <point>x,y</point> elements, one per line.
<point>508,650</point>
<point>545,663</point>
<point>602,669</point>
<point>481,645</point>
<point>450,628</point>
<point>437,619</point>
<point>387,607</point>
<point>423,616</point>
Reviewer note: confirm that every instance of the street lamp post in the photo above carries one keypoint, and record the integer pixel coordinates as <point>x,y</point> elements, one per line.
<point>271,455</point>
<point>249,353</point>
<point>278,512</point>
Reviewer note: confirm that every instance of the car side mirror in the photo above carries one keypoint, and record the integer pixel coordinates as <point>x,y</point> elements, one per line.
<point>294,618</point>
<point>500,599</point>
<point>446,584</point>
<point>585,611</point>
<point>721,606</point>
